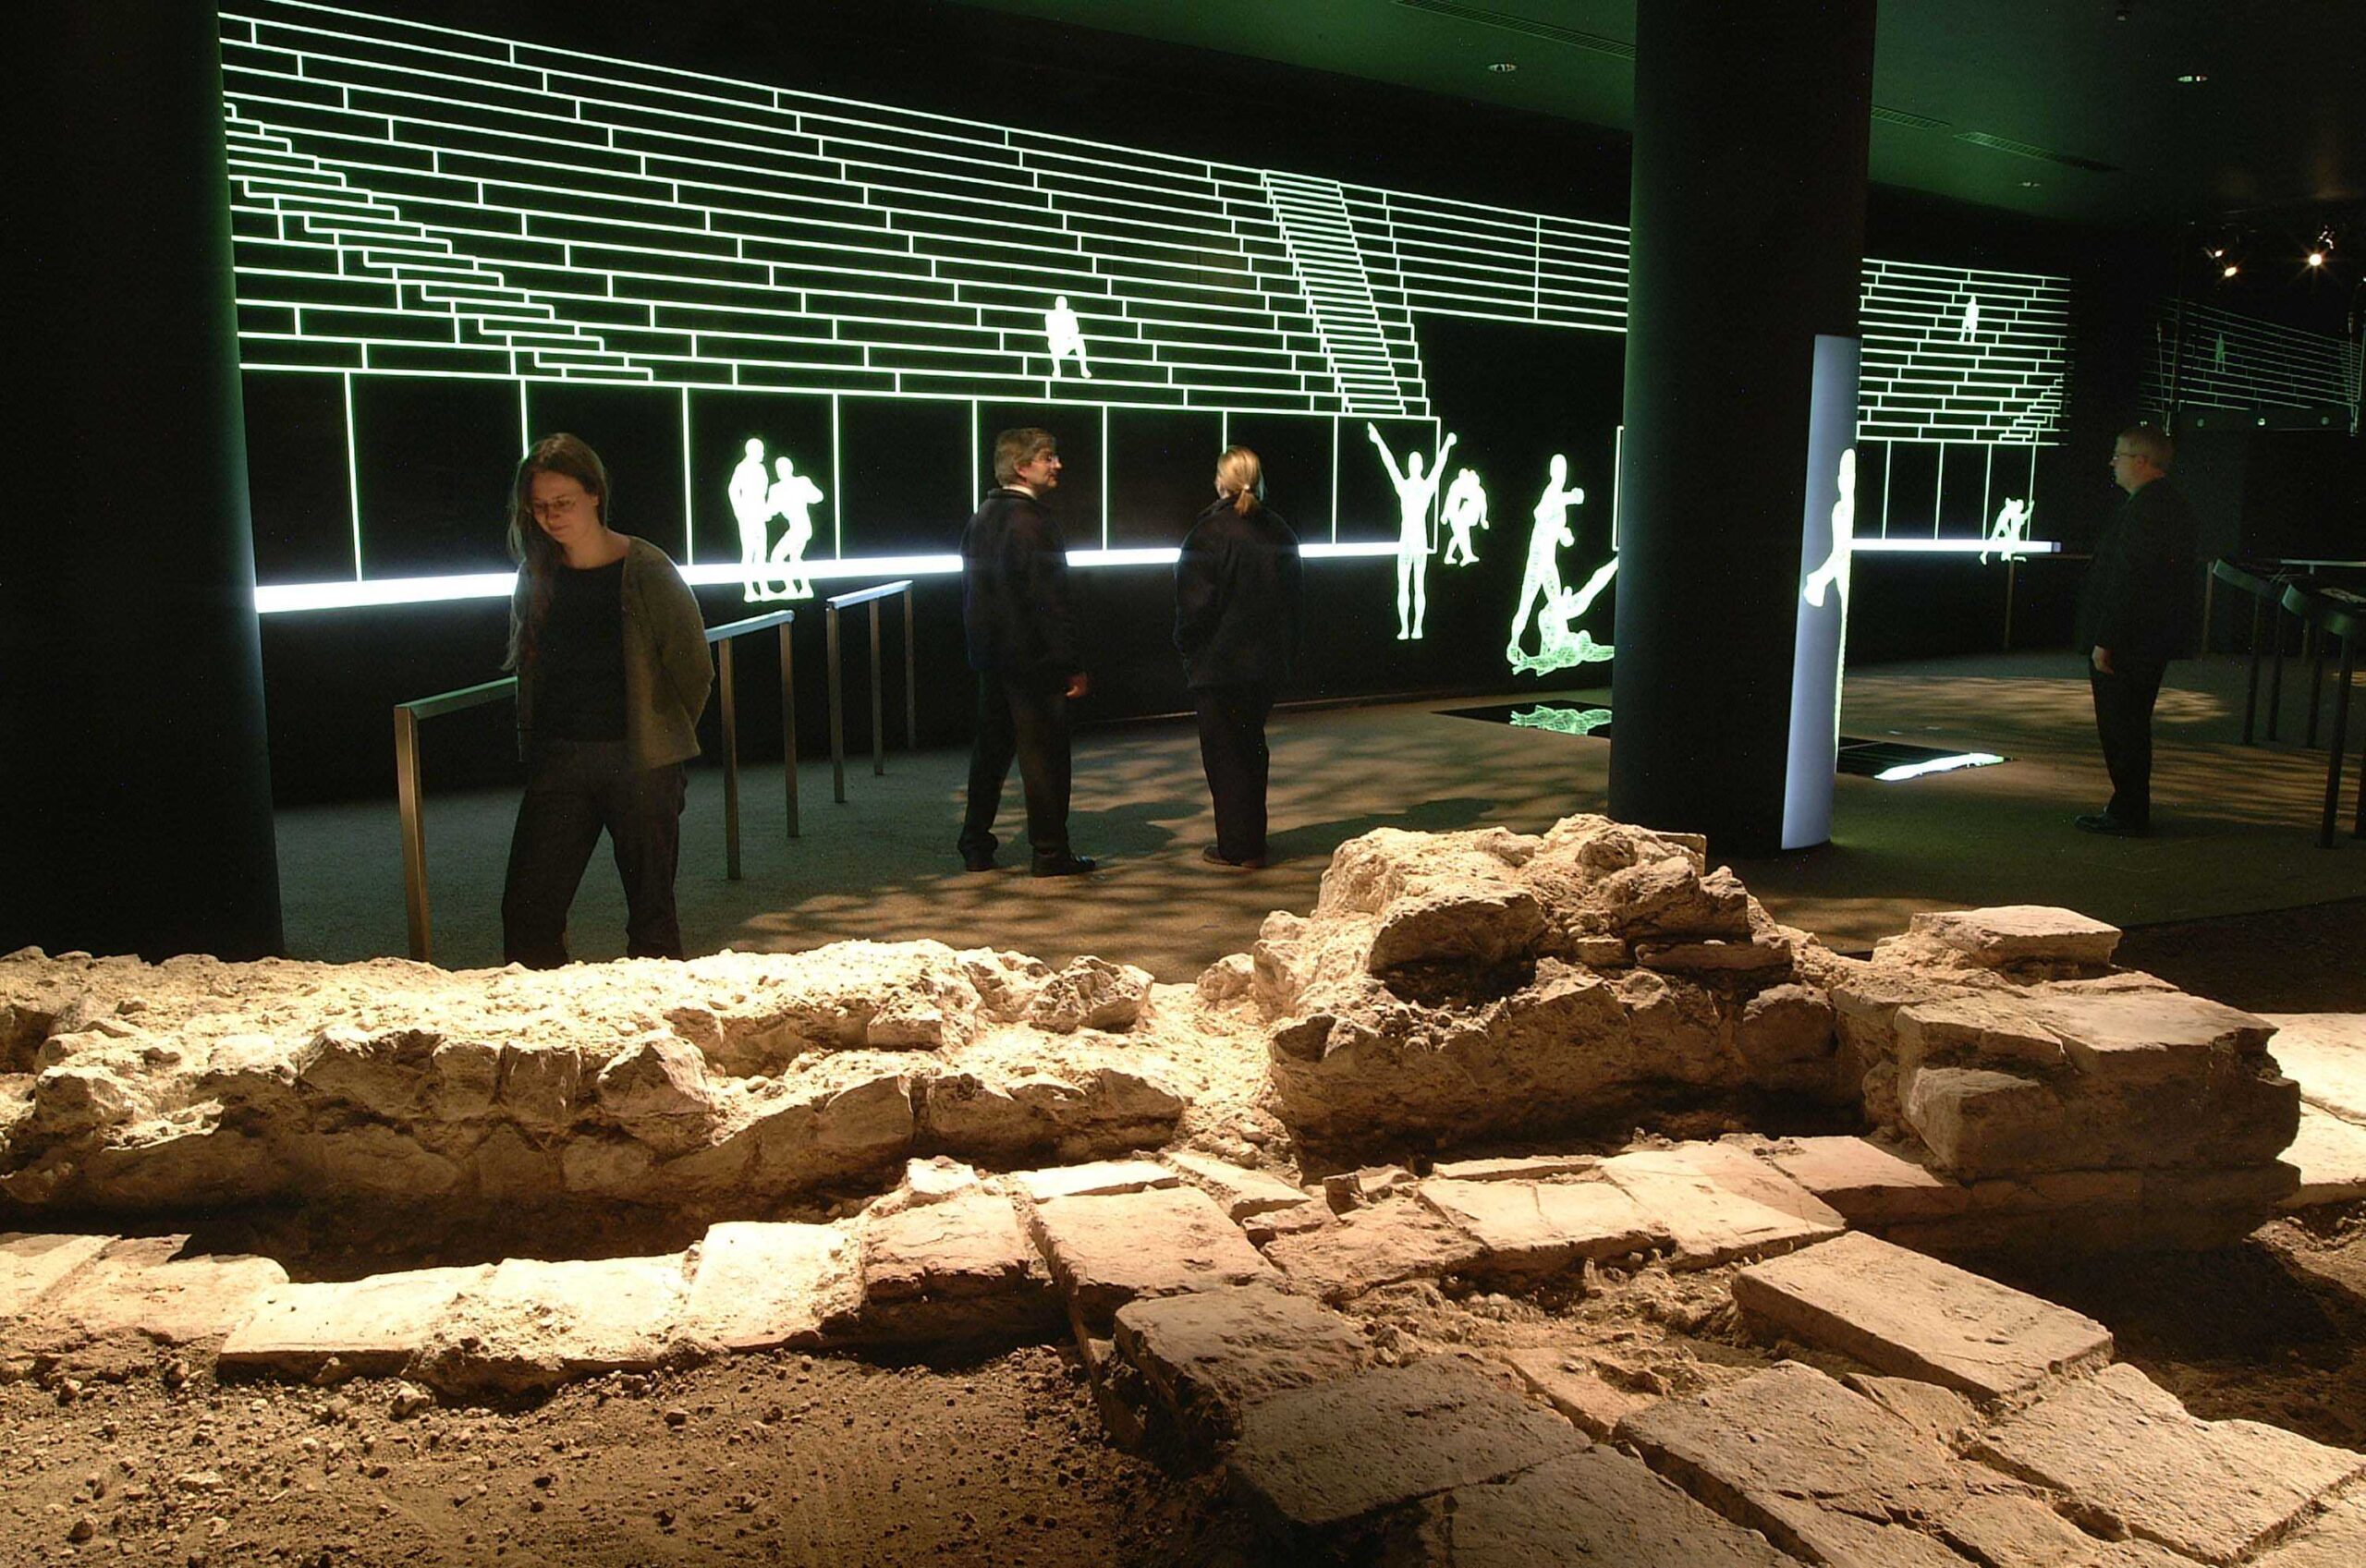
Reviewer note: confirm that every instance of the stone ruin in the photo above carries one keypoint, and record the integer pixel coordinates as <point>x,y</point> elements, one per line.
<point>1448,989</point>
<point>1233,1297</point>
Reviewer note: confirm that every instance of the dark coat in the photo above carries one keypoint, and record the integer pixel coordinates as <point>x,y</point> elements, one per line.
<point>1237,597</point>
<point>1015,590</point>
<point>2139,598</point>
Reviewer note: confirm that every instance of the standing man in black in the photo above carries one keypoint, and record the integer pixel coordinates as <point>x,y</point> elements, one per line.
<point>2134,616</point>
<point>1022,643</point>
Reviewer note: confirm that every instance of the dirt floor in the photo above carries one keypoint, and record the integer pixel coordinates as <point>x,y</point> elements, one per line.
<point>1001,1459</point>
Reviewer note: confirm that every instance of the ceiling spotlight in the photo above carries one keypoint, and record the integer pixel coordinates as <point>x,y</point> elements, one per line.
<point>2229,270</point>
<point>2316,258</point>
<point>1503,67</point>
<point>2194,79</point>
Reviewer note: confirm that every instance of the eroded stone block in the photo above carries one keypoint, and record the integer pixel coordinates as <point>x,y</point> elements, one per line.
<point>2127,1451</point>
<point>1374,1246</point>
<point>1709,1222</point>
<point>1240,1192</point>
<point>2018,933</point>
<point>31,1265</point>
<point>1914,1316</point>
<point>1212,1354</point>
<point>755,1286</point>
<point>1541,1228</point>
<point>1105,1251</point>
<point>1598,1506</point>
<point>531,1324</point>
<point>1322,1458</point>
<point>1866,1184</point>
<point>372,1325</point>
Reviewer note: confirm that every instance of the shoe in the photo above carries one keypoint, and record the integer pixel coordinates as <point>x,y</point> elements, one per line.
<point>1063,865</point>
<point>2111,826</point>
<point>978,855</point>
<point>1253,863</point>
<point>973,862</point>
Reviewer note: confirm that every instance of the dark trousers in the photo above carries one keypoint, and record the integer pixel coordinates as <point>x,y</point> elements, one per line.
<point>1232,749</point>
<point>1028,720</point>
<point>2124,701</point>
<point>575,789</point>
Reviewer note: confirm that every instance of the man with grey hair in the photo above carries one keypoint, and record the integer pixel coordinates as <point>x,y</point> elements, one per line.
<point>1021,635</point>
<point>2135,614</point>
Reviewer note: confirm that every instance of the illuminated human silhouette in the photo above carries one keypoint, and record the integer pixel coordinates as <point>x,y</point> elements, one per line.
<point>2011,529</point>
<point>752,509</point>
<point>1970,320</point>
<point>790,498</point>
<point>1540,578</point>
<point>1834,573</point>
<point>1466,508</point>
<point>1415,492</point>
<point>1065,335</point>
<point>1559,643</point>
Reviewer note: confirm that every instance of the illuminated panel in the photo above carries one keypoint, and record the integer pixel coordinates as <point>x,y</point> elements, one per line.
<point>2233,361</point>
<point>1955,354</point>
<point>415,201</point>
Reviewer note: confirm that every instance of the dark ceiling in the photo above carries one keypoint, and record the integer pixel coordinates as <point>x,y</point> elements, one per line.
<point>2099,129</point>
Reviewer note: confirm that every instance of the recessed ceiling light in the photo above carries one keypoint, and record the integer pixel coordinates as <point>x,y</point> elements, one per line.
<point>2029,185</point>
<point>1503,67</point>
<point>2194,79</point>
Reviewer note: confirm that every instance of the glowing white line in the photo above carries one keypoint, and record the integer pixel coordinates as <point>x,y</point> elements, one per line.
<point>1937,765</point>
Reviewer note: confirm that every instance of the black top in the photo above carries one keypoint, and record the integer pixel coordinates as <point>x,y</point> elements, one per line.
<point>1015,590</point>
<point>582,652</point>
<point>2139,597</point>
<point>1237,597</point>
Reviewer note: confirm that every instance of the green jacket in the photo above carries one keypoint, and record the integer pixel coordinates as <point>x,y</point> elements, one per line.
<point>668,669</point>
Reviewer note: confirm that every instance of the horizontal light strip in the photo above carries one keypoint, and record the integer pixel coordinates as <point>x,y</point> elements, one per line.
<point>1951,546</point>
<point>281,599</point>
<point>1938,765</point>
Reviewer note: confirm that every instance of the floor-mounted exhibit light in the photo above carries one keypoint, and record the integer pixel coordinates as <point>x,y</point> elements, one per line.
<point>1938,765</point>
<point>1818,647</point>
<point>1566,721</point>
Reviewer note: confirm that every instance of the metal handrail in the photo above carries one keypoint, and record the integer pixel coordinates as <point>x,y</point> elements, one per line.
<point>833,605</point>
<point>410,790</point>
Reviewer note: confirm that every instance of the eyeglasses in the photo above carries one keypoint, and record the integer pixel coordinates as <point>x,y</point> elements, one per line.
<point>561,508</point>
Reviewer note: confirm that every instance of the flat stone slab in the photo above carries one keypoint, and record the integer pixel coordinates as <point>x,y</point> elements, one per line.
<point>1928,1408</point>
<point>1735,1168</point>
<point>1514,1168</point>
<point>1901,1312</point>
<point>32,1265</point>
<point>1867,1185</point>
<point>756,1286</point>
<point>533,1324</point>
<point>1240,1192</point>
<point>1598,1506</point>
<point>2336,1538</point>
<point>2147,1036</point>
<point>1982,1027</point>
<point>1783,1450</point>
<point>2026,1533</point>
<point>373,1325</point>
<point>959,1270</point>
<point>2330,1154</point>
<point>1568,1384</point>
<point>1376,1246</point>
<point>1208,1355</point>
<point>142,1285</point>
<point>1539,1228</point>
<point>2326,1051</point>
<point>1095,1178</point>
<point>1710,1223</point>
<point>1319,1458</point>
<point>2127,1451</point>
<point>1105,1251</point>
<point>2018,933</point>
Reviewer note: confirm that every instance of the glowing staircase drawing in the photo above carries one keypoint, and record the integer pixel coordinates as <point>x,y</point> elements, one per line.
<point>312,206</point>
<point>1921,381</point>
<point>1330,269</point>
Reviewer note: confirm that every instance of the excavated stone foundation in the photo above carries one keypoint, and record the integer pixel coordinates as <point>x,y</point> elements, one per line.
<point>1446,989</point>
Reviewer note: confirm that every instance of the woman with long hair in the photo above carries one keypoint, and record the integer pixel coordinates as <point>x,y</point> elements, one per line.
<point>1237,621</point>
<point>612,672</point>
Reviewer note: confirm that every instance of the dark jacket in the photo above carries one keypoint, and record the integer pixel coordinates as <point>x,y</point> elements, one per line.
<point>2139,598</point>
<point>1015,590</point>
<point>1237,597</point>
<point>668,670</point>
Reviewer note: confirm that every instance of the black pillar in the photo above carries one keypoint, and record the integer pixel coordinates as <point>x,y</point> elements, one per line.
<point>135,760</point>
<point>1749,215</point>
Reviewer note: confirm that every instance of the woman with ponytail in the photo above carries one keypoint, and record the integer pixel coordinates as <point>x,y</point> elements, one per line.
<point>612,671</point>
<point>1237,612</point>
